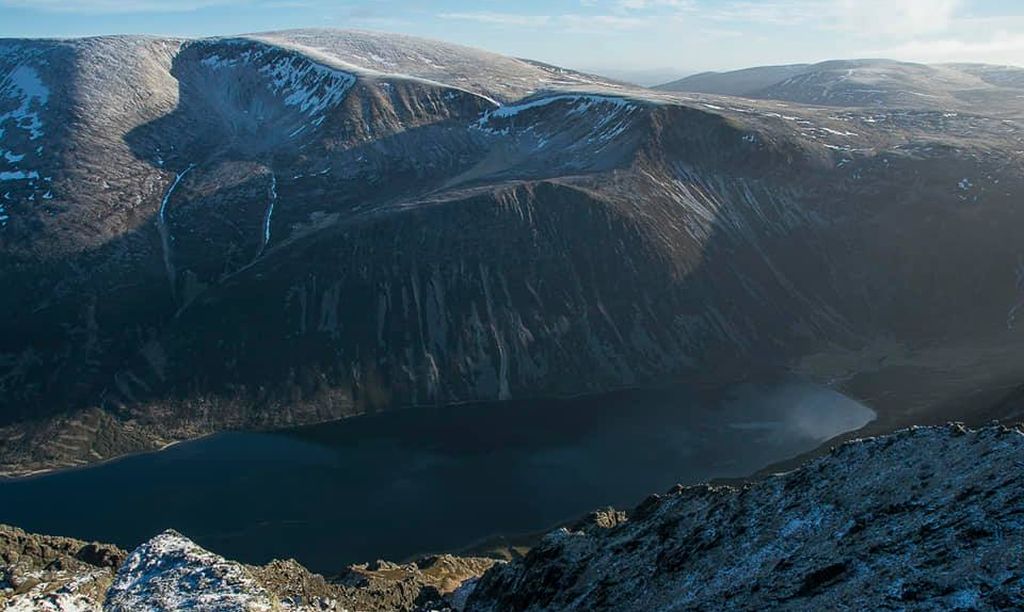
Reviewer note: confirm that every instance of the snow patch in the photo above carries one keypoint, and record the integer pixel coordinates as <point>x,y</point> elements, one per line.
<point>582,104</point>
<point>303,83</point>
<point>837,132</point>
<point>24,85</point>
<point>19,175</point>
<point>607,118</point>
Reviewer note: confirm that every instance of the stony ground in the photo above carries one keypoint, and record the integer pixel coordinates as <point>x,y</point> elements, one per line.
<point>924,519</point>
<point>53,573</point>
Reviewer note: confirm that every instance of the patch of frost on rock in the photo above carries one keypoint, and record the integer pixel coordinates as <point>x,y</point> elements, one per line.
<point>170,572</point>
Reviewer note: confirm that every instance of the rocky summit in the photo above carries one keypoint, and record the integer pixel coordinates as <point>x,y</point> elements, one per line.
<point>926,518</point>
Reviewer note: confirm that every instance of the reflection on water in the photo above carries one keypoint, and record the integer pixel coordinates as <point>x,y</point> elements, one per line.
<point>431,479</point>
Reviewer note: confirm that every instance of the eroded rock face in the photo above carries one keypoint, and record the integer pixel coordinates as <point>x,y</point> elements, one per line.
<point>927,518</point>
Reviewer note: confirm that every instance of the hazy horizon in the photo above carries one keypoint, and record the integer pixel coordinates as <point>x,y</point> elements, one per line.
<point>646,41</point>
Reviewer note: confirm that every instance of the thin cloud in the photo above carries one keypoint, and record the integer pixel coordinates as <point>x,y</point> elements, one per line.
<point>134,6</point>
<point>898,17</point>
<point>574,22</point>
<point>639,5</point>
<point>886,17</point>
<point>503,19</point>
<point>1003,47</point>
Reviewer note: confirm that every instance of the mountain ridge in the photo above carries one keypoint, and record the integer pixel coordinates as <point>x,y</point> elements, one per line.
<point>228,233</point>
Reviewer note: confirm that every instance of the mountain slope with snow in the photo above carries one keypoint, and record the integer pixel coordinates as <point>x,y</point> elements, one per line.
<point>292,227</point>
<point>496,76</point>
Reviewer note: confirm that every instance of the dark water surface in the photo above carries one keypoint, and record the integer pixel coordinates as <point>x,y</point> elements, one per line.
<point>430,479</point>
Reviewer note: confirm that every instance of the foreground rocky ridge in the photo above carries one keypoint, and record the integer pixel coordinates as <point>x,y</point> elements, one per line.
<point>54,573</point>
<point>170,572</point>
<point>926,518</point>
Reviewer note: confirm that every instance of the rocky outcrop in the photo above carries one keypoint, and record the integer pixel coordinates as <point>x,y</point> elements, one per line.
<point>170,572</point>
<point>924,519</point>
<point>53,573</point>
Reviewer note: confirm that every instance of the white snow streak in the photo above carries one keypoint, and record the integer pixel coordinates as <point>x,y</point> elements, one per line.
<point>19,175</point>
<point>268,215</point>
<point>512,110</point>
<point>165,234</point>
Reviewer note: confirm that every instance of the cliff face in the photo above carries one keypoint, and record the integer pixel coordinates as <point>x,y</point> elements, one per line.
<point>924,519</point>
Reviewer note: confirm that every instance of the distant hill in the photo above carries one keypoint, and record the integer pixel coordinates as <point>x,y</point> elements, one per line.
<point>868,82</point>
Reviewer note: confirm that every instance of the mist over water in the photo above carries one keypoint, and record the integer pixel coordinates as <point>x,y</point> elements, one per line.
<point>431,479</point>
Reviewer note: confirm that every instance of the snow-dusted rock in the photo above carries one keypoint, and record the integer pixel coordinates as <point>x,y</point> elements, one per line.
<point>53,573</point>
<point>170,572</point>
<point>924,519</point>
<point>62,592</point>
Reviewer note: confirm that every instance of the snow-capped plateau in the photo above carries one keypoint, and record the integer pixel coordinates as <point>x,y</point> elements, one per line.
<point>488,74</point>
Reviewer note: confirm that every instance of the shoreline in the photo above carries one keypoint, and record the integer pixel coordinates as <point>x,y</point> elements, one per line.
<point>702,384</point>
<point>886,418</point>
<point>890,409</point>
<point>922,399</point>
<point>887,408</point>
<point>53,471</point>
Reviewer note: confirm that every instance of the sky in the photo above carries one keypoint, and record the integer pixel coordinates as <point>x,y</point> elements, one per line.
<point>643,40</point>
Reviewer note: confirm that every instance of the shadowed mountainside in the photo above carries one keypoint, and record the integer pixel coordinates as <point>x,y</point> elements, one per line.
<point>294,227</point>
